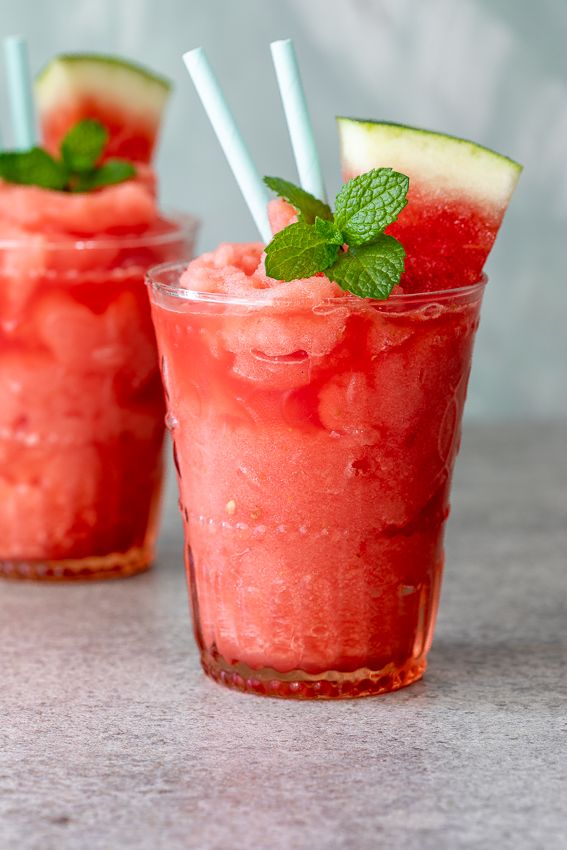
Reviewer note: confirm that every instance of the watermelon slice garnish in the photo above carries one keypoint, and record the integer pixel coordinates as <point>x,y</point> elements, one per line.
<point>127,98</point>
<point>458,194</point>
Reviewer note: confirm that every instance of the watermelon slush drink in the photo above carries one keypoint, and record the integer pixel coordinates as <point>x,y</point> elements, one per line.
<point>81,408</point>
<point>315,434</point>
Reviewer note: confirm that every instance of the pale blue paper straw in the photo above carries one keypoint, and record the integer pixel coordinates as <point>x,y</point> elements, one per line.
<point>297,116</point>
<point>20,92</point>
<point>231,141</point>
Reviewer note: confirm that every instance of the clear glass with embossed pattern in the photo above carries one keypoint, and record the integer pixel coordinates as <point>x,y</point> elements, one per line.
<point>81,402</point>
<point>314,441</point>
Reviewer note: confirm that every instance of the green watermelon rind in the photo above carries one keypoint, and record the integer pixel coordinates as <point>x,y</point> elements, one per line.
<point>473,147</point>
<point>99,58</point>
<point>126,96</point>
<point>443,162</point>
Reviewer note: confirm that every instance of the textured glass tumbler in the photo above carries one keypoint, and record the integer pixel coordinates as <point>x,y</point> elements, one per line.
<point>314,447</point>
<point>81,404</point>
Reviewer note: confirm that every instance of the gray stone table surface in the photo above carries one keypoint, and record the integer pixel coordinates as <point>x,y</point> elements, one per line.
<point>112,738</point>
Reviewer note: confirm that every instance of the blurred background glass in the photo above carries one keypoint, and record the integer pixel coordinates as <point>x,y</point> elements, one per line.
<point>494,71</point>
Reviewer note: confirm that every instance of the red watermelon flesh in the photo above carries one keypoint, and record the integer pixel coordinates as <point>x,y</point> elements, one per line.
<point>457,198</point>
<point>128,99</point>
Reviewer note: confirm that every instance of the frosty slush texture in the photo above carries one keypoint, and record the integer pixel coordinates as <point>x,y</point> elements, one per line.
<point>81,406</point>
<point>315,435</point>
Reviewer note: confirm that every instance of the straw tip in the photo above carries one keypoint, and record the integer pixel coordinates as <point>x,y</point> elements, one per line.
<point>191,56</point>
<point>281,43</point>
<point>12,40</point>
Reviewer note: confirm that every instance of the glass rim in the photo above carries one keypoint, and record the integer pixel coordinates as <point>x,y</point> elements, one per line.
<point>201,297</point>
<point>186,226</point>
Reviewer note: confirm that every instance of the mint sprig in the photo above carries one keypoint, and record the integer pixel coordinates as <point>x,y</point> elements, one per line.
<point>110,172</point>
<point>349,246</point>
<point>32,168</point>
<point>308,206</point>
<point>370,271</point>
<point>300,250</point>
<point>76,171</point>
<point>366,205</point>
<point>83,145</point>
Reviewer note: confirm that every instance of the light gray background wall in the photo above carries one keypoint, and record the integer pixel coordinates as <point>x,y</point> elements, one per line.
<point>491,70</point>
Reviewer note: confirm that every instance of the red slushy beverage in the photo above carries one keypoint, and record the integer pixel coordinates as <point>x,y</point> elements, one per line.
<point>81,406</point>
<point>315,434</point>
<point>315,391</point>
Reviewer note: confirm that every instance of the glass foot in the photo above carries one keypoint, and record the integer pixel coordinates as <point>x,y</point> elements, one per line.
<point>299,685</point>
<point>115,565</point>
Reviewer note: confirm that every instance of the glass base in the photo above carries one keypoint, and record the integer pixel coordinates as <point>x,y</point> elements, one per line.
<point>296,684</point>
<point>115,565</point>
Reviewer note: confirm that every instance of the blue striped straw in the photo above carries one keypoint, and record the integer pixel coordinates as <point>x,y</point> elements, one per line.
<point>20,92</point>
<point>297,116</point>
<point>231,141</point>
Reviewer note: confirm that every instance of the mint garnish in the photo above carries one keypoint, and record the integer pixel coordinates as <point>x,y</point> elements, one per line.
<point>300,251</point>
<point>308,206</point>
<point>366,205</point>
<point>111,171</point>
<point>83,145</point>
<point>329,231</point>
<point>349,246</point>
<point>370,271</point>
<point>32,168</point>
<point>76,171</point>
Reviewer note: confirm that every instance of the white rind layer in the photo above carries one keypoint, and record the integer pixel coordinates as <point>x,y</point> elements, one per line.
<point>444,164</point>
<point>116,83</point>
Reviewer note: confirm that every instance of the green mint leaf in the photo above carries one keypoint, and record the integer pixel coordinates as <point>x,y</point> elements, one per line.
<point>77,171</point>
<point>33,168</point>
<point>308,206</point>
<point>83,145</point>
<point>299,251</point>
<point>329,231</point>
<point>110,172</point>
<point>370,271</point>
<point>366,205</point>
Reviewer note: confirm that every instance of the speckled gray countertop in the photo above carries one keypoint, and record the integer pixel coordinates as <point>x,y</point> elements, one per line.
<point>111,738</point>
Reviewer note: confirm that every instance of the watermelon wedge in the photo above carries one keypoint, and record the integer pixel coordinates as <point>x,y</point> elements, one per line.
<point>127,98</point>
<point>458,194</point>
